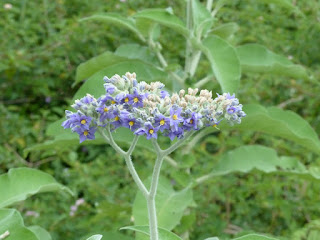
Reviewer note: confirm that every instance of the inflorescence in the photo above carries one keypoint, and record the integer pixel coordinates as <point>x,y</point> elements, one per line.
<point>147,109</point>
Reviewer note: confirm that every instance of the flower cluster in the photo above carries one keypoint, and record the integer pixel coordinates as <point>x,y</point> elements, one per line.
<point>148,109</point>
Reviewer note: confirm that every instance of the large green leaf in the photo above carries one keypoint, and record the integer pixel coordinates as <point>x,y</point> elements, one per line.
<point>226,30</point>
<point>11,221</point>
<point>170,205</point>
<point>19,183</point>
<point>40,232</point>
<point>202,19</point>
<point>116,19</point>
<point>95,237</point>
<point>247,158</point>
<point>255,237</point>
<point>257,58</point>
<point>93,65</point>
<point>281,123</point>
<point>224,62</point>
<point>164,18</point>
<point>136,51</point>
<point>163,233</point>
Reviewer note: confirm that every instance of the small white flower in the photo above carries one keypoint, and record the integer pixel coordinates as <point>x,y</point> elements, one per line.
<point>7,6</point>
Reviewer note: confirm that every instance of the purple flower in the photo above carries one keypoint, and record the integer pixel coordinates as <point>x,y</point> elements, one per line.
<point>83,122</point>
<point>175,117</point>
<point>162,122</point>
<point>110,88</point>
<point>131,123</point>
<point>107,112</point>
<point>228,96</point>
<point>232,110</point>
<point>192,122</point>
<point>136,99</point>
<point>86,134</point>
<point>172,134</point>
<point>120,118</point>
<point>71,119</point>
<point>87,99</point>
<point>164,94</point>
<point>148,130</point>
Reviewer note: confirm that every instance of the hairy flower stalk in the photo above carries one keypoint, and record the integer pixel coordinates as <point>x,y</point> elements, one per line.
<point>148,110</point>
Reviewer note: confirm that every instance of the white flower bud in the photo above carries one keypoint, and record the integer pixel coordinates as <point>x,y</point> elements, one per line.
<point>181,93</point>
<point>190,91</point>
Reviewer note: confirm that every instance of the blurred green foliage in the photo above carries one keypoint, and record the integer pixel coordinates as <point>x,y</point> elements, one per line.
<point>42,44</point>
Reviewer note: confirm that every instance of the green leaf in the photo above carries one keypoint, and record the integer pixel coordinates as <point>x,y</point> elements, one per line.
<point>281,123</point>
<point>225,31</point>
<point>136,51</point>
<point>11,221</point>
<point>93,65</point>
<point>254,237</point>
<point>257,58</point>
<point>116,19</point>
<point>170,205</point>
<point>202,19</point>
<point>247,158</point>
<point>224,62</point>
<point>95,237</point>
<point>40,232</point>
<point>164,18</point>
<point>212,238</point>
<point>285,4</point>
<point>163,233</point>
<point>20,183</point>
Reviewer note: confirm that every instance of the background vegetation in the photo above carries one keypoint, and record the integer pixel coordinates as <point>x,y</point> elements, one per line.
<point>42,44</point>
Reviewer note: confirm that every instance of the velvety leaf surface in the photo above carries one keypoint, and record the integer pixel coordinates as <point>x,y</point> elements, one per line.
<point>116,19</point>
<point>95,237</point>
<point>165,18</point>
<point>20,183</point>
<point>247,158</point>
<point>281,123</point>
<point>257,58</point>
<point>40,232</point>
<point>136,51</point>
<point>224,62</point>
<point>11,220</point>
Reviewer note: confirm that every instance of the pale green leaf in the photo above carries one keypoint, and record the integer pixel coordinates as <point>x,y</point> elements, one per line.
<point>202,19</point>
<point>247,158</point>
<point>136,51</point>
<point>11,221</point>
<point>224,62</point>
<point>212,238</point>
<point>116,19</point>
<point>95,237</point>
<point>20,183</point>
<point>225,31</point>
<point>254,237</point>
<point>40,232</point>
<point>281,123</point>
<point>257,58</point>
<point>163,233</point>
<point>164,18</point>
<point>93,65</point>
<point>170,205</point>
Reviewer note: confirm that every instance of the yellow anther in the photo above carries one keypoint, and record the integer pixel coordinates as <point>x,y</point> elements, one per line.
<point>151,131</point>
<point>162,122</point>
<point>85,133</point>
<point>83,121</point>
<point>126,100</point>
<point>105,109</point>
<point>136,100</point>
<point>174,117</point>
<point>191,121</point>
<point>214,125</point>
<point>116,118</point>
<point>131,123</point>
<point>113,102</point>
